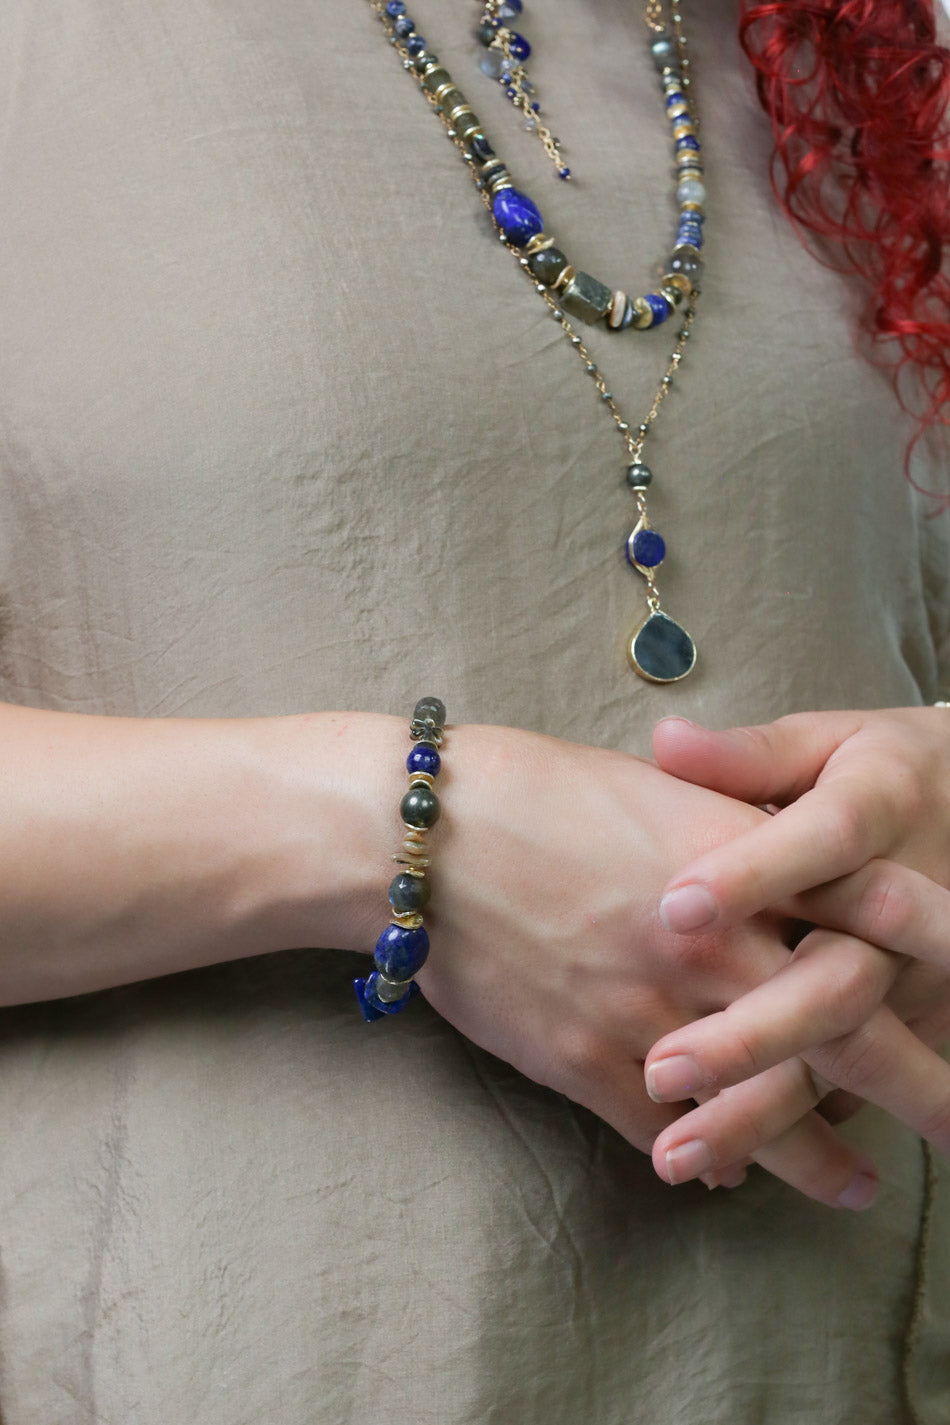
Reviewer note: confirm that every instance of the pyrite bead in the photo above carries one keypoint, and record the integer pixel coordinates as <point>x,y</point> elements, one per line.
<point>586,298</point>
<point>547,265</point>
<point>408,892</point>
<point>420,807</point>
<point>639,477</point>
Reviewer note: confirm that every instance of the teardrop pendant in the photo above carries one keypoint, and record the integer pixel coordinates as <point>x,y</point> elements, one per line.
<point>660,650</point>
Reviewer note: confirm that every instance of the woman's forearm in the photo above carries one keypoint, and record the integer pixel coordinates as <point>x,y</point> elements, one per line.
<point>131,848</point>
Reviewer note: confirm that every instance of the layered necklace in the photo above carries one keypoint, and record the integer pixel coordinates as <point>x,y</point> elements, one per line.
<point>659,648</point>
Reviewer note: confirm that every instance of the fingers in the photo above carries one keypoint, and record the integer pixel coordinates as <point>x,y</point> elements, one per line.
<point>887,1064</point>
<point>831,984</point>
<point>768,1118</point>
<point>888,905</point>
<point>829,832</point>
<point>775,762</point>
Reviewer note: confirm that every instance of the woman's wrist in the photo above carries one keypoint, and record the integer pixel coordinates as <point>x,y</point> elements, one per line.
<point>131,848</point>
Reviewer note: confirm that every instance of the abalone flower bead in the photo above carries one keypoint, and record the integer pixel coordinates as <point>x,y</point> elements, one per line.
<point>420,807</point>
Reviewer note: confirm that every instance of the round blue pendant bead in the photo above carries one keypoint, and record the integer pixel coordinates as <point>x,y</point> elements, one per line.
<point>646,548</point>
<point>401,951</point>
<point>516,215</point>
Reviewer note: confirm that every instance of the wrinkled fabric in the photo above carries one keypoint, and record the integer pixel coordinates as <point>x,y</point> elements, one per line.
<point>281,428</point>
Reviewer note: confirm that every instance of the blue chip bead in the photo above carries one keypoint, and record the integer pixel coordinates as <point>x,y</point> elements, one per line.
<point>519,45</point>
<point>394,8</point>
<point>646,547</point>
<point>517,216</point>
<point>424,758</point>
<point>400,952</point>
<point>659,306</point>
<point>404,26</point>
<point>687,141</point>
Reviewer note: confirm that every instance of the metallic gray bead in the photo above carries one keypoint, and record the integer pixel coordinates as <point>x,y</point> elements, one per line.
<point>639,477</point>
<point>586,298</point>
<point>430,709</point>
<point>420,808</point>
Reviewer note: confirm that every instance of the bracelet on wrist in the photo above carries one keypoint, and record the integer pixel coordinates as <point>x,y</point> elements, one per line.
<point>403,947</point>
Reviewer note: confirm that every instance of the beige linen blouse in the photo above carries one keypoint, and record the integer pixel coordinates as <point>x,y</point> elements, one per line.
<point>282,427</point>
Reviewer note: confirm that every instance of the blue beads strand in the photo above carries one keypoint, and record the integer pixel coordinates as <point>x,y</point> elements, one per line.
<point>403,947</point>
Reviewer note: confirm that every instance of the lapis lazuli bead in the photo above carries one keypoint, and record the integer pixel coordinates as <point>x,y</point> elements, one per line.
<point>404,26</point>
<point>517,216</point>
<point>659,306</point>
<point>519,45</point>
<point>424,758</point>
<point>415,45</point>
<point>687,141</point>
<point>394,8</point>
<point>647,548</point>
<point>371,1006</point>
<point>675,98</point>
<point>401,952</point>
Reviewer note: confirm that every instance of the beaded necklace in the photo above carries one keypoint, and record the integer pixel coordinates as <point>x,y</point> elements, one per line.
<point>659,649</point>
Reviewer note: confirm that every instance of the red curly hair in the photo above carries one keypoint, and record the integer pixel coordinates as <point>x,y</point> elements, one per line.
<point>857,92</point>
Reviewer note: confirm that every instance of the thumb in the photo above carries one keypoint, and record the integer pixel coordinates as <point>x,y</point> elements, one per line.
<point>774,762</point>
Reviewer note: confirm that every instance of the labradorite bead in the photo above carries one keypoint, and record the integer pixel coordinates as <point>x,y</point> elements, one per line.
<point>451,100</point>
<point>401,952</point>
<point>663,52</point>
<point>423,58</point>
<point>487,31</point>
<point>467,125</point>
<point>420,807</point>
<point>547,265</point>
<point>435,78</point>
<point>639,477</point>
<point>409,892</point>
<point>430,707</point>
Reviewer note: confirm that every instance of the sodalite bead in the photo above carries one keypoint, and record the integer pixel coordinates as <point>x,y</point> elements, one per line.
<point>408,892</point>
<point>400,952</point>
<point>659,307</point>
<point>646,547</point>
<point>517,216</point>
<point>424,758</point>
<point>404,26</point>
<point>394,8</point>
<point>415,45</point>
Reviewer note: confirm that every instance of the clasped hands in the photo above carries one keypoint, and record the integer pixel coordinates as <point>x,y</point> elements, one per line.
<point>576,944</point>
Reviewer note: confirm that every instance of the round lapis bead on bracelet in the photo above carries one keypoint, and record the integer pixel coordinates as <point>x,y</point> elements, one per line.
<point>403,947</point>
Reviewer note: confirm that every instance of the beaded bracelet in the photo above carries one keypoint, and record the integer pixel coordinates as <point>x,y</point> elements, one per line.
<point>403,947</point>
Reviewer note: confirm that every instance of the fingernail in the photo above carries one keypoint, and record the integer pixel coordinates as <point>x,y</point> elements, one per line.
<point>688,1161</point>
<point>689,908</point>
<point>673,1079</point>
<point>860,1192</point>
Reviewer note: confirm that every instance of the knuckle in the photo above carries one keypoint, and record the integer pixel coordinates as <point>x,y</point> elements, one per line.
<point>854,1061</point>
<point>843,831</point>
<point>885,911</point>
<point>855,985</point>
<point>580,1052</point>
